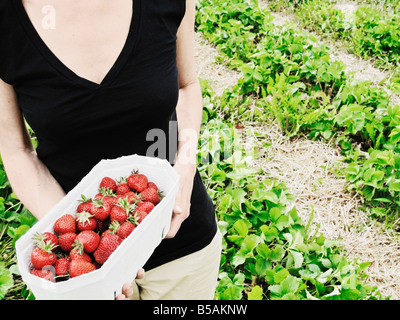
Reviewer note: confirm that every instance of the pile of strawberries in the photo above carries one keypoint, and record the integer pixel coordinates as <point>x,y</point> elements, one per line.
<point>83,241</point>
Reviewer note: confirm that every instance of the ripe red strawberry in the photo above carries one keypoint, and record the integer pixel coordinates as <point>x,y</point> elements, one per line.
<point>145,206</point>
<point>118,214</point>
<point>107,196</point>
<point>85,221</point>
<point>85,204</point>
<point>122,186</point>
<point>108,244</point>
<point>79,267</point>
<point>45,274</point>
<point>66,241</point>
<point>100,210</point>
<point>111,200</point>
<point>87,241</point>
<point>108,231</point>
<point>46,238</point>
<point>76,254</point>
<point>140,215</point>
<point>151,195</point>
<point>61,267</point>
<point>137,182</point>
<point>108,183</point>
<point>152,185</point>
<point>121,211</point>
<point>132,197</point>
<point>42,257</point>
<point>125,229</point>
<point>65,224</point>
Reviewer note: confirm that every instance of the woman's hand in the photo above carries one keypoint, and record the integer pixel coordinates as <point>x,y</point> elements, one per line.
<point>181,211</point>
<point>127,289</point>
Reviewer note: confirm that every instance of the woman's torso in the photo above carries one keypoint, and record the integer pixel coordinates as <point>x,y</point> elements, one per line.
<point>91,102</point>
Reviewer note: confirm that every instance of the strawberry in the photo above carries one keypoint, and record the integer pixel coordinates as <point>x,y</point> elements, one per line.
<point>100,210</point>
<point>85,221</point>
<point>118,214</point>
<point>145,206</point>
<point>76,254</point>
<point>87,241</point>
<point>61,267</point>
<point>45,274</point>
<point>111,200</point>
<point>66,241</point>
<point>42,256</point>
<point>140,215</point>
<point>125,229</point>
<point>85,204</point>
<point>152,185</point>
<point>46,238</point>
<point>65,224</point>
<point>108,183</point>
<point>137,182</point>
<point>131,196</point>
<point>107,196</point>
<point>108,244</point>
<point>79,267</point>
<point>121,211</point>
<point>151,195</point>
<point>122,186</point>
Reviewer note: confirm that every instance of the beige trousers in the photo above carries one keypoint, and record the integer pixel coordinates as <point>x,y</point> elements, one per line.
<point>193,277</point>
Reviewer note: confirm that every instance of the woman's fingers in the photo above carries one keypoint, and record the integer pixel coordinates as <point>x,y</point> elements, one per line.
<point>127,289</point>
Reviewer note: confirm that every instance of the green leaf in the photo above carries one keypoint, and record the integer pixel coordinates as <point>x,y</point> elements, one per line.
<point>294,259</point>
<point>287,286</point>
<point>282,222</point>
<point>6,280</point>
<point>256,293</point>
<point>241,228</point>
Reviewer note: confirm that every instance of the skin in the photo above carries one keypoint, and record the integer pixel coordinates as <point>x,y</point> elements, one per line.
<point>76,42</point>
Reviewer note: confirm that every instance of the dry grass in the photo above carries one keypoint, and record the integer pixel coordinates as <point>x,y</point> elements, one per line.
<point>305,167</point>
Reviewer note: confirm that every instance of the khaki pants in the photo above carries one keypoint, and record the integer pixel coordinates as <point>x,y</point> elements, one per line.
<point>193,277</point>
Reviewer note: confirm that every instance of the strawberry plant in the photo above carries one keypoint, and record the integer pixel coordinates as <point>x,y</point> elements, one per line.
<point>294,79</point>
<point>15,220</point>
<point>268,251</point>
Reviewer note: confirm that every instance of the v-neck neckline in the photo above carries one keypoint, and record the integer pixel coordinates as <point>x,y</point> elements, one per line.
<point>64,69</point>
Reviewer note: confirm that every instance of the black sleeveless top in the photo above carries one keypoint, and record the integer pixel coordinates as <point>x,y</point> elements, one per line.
<point>78,122</point>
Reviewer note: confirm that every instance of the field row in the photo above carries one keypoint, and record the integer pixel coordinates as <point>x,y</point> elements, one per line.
<point>272,65</point>
<point>297,82</point>
<point>368,29</point>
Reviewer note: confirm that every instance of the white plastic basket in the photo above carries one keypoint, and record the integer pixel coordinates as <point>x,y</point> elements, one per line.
<point>121,267</point>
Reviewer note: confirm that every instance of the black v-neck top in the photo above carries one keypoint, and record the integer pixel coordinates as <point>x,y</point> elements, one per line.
<point>79,122</point>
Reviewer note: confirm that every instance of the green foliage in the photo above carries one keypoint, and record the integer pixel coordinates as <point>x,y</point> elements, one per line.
<point>269,253</point>
<point>370,31</point>
<point>15,220</point>
<point>294,80</point>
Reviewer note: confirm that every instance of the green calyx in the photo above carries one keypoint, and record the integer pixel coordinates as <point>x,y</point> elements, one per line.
<point>124,204</point>
<point>83,217</point>
<point>39,240</point>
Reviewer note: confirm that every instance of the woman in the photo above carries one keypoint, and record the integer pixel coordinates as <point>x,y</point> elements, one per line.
<point>92,79</point>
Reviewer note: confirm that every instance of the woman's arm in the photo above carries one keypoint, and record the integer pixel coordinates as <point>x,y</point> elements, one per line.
<point>29,178</point>
<point>189,115</point>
